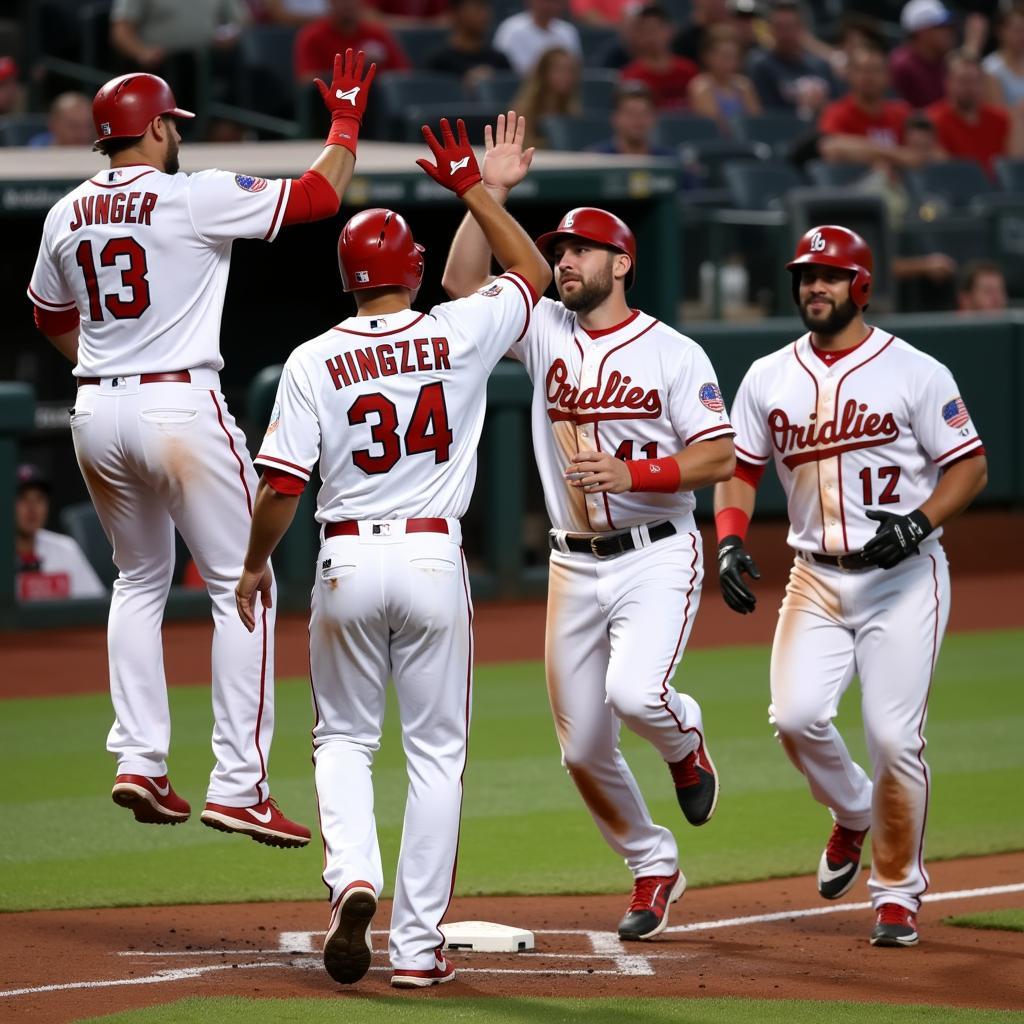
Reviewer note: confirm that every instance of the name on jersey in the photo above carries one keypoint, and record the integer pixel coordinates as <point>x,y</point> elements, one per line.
<point>114,208</point>
<point>852,429</point>
<point>616,399</point>
<point>387,359</point>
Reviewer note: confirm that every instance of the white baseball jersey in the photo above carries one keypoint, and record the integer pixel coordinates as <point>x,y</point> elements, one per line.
<point>639,391</point>
<point>145,256</point>
<point>870,431</point>
<point>401,397</point>
<point>60,570</point>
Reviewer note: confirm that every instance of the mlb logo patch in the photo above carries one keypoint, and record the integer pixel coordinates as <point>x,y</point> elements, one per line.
<point>362,277</point>
<point>105,128</point>
<point>955,413</point>
<point>495,289</point>
<point>710,397</point>
<point>247,183</point>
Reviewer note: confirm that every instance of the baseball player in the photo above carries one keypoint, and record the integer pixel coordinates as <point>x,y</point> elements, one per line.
<point>875,450</point>
<point>129,285</point>
<point>391,404</point>
<point>627,421</point>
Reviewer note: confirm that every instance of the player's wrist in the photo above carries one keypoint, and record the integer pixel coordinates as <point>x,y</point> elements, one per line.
<point>922,522</point>
<point>654,475</point>
<point>344,131</point>
<point>497,192</point>
<point>731,522</point>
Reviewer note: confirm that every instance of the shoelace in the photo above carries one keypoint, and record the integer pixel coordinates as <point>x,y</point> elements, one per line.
<point>893,913</point>
<point>684,773</point>
<point>844,845</point>
<point>644,890</point>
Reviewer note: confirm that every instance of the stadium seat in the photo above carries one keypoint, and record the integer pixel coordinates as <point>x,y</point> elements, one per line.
<point>17,129</point>
<point>681,129</point>
<point>498,89</point>
<point>572,134</point>
<point>953,182</point>
<point>420,41</point>
<point>597,90</point>
<point>759,184</point>
<point>81,522</point>
<point>777,128</point>
<point>266,69</point>
<point>829,175</point>
<point>1010,174</point>
<point>597,40</point>
<point>400,90</point>
<point>708,158</point>
<point>475,116</point>
<point>94,23</point>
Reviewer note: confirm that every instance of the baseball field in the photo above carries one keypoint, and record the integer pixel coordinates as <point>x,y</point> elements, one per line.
<point>161,924</point>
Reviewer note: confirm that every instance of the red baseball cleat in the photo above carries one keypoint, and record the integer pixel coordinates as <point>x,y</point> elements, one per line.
<point>347,945</point>
<point>894,926</point>
<point>151,800</point>
<point>696,783</point>
<point>441,973</point>
<point>840,862</point>
<point>263,822</point>
<point>647,914</point>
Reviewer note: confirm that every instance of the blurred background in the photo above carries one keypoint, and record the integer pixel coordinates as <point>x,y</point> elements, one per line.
<point>719,129</point>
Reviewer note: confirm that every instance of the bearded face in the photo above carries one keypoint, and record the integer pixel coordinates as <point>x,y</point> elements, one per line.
<point>584,275</point>
<point>825,304</point>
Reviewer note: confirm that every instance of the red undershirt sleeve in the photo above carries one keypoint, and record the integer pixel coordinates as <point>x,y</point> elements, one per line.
<point>749,473</point>
<point>312,197</point>
<point>53,323</point>
<point>282,481</point>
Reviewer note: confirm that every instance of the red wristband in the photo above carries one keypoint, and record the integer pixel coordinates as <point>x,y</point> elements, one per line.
<point>344,132</point>
<point>731,522</point>
<point>654,474</point>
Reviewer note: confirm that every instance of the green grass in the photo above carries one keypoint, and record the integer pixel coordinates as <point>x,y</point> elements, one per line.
<point>524,828</point>
<point>1002,920</point>
<point>417,1009</point>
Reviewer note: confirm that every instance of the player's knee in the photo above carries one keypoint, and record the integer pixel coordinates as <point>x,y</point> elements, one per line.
<point>793,721</point>
<point>630,702</point>
<point>891,749</point>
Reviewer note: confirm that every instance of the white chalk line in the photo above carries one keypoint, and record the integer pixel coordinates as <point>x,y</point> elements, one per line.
<point>531,954</point>
<point>184,973</point>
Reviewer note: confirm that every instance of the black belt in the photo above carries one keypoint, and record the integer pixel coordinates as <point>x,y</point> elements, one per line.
<point>848,563</point>
<point>608,545</point>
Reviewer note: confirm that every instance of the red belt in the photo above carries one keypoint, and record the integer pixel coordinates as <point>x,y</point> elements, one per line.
<point>174,377</point>
<point>350,527</point>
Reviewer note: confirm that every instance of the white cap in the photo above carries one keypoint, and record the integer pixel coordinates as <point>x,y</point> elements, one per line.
<point>922,14</point>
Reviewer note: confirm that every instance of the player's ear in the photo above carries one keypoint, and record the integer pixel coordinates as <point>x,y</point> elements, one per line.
<point>621,266</point>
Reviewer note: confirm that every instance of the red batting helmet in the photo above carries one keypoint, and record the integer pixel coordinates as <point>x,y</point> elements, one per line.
<point>830,245</point>
<point>596,226</point>
<point>124,106</point>
<point>376,250</point>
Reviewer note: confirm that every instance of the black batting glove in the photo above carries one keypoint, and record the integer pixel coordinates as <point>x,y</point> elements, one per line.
<point>896,538</point>
<point>733,562</point>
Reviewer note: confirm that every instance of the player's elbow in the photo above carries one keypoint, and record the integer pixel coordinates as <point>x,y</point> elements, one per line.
<point>981,475</point>
<point>455,285</point>
<point>725,468</point>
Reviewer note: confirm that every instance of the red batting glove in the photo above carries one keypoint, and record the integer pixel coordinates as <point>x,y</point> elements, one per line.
<point>456,168</point>
<point>346,98</point>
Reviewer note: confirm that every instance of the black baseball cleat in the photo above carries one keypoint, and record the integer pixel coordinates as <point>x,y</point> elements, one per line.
<point>894,926</point>
<point>347,946</point>
<point>840,862</point>
<point>696,783</point>
<point>647,915</point>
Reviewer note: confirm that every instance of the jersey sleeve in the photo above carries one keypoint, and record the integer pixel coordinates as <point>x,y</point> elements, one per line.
<point>941,422</point>
<point>292,440</point>
<point>224,205</point>
<point>48,289</point>
<point>494,317</point>
<point>695,404</point>
<point>752,442</point>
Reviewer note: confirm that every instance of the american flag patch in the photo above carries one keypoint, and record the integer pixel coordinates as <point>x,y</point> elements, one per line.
<point>711,397</point>
<point>955,413</point>
<point>247,183</point>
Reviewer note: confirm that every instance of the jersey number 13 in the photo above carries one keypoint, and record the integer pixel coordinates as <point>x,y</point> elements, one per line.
<point>133,277</point>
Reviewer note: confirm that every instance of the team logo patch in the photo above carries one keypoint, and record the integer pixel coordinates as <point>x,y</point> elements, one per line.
<point>711,397</point>
<point>275,419</point>
<point>362,277</point>
<point>247,183</point>
<point>955,413</point>
<point>495,289</point>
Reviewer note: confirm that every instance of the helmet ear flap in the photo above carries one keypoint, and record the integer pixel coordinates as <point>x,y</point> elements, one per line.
<point>860,289</point>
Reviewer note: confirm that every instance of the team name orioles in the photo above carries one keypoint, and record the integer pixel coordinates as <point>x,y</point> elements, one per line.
<point>852,429</point>
<point>387,359</point>
<point>615,399</point>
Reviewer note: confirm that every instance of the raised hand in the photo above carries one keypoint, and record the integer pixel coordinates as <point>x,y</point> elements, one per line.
<point>346,95</point>
<point>456,168</point>
<point>505,161</point>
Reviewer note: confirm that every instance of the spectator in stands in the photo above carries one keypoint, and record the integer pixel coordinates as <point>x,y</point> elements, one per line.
<point>634,122</point>
<point>526,36</point>
<point>919,66</point>
<point>751,28</point>
<point>788,76</point>
<point>10,90</point>
<point>721,92</point>
<point>982,288</point>
<point>856,32</point>
<point>47,565</point>
<point>69,122</point>
<point>401,13</point>
<point>290,12</point>
<point>552,88</point>
<point>665,73</point>
<point>346,27</point>
<point>468,52</point>
<point>967,127</point>
<point>1005,66</point>
<point>619,53</point>
<point>610,13</point>
<point>864,110</point>
<point>704,14</point>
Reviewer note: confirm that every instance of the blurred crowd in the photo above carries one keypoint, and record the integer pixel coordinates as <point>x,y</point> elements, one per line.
<point>918,103</point>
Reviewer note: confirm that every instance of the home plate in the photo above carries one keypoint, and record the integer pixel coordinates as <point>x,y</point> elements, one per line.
<point>486,937</point>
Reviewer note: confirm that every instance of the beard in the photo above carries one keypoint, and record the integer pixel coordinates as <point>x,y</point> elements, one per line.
<point>590,294</point>
<point>829,325</point>
<point>171,165</point>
